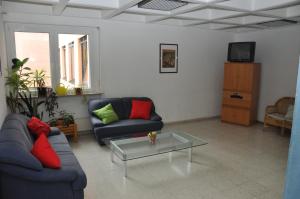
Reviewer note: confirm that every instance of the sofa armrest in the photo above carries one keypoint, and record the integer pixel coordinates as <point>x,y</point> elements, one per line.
<point>155,117</point>
<point>54,131</point>
<point>46,175</point>
<point>271,109</point>
<point>96,122</point>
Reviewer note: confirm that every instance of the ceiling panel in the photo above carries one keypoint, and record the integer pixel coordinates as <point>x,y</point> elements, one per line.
<point>97,3</point>
<point>267,4</point>
<point>250,19</point>
<point>213,26</point>
<point>241,29</point>
<point>178,22</point>
<point>211,14</point>
<point>198,14</point>
<point>130,17</point>
<point>238,4</point>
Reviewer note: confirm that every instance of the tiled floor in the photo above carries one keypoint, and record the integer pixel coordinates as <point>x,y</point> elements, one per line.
<point>238,163</point>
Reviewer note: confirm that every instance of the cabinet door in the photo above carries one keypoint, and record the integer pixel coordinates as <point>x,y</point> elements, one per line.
<point>244,77</point>
<point>230,76</point>
<point>236,115</point>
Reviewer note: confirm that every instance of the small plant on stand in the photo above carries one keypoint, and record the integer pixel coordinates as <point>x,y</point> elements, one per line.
<point>38,80</point>
<point>64,119</point>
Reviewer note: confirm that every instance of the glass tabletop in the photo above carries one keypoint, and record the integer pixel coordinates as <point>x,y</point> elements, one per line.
<point>133,148</point>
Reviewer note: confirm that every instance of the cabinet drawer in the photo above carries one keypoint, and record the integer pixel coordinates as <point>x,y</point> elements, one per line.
<point>237,99</point>
<point>236,115</point>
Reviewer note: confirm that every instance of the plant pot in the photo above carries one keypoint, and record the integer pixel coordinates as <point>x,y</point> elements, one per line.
<point>42,91</point>
<point>78,91</point>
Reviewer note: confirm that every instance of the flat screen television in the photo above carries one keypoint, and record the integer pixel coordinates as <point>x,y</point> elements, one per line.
<point>241,52</point>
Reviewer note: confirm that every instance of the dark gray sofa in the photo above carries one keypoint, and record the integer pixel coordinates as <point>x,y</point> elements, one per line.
<point>124,126</point>
<point>23,177</point>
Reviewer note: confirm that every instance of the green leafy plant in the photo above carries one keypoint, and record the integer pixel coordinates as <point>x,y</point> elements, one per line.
<point>38,78</point>
<point>64,119</point>
<point>20,99</point>
<point>51,103</point>
<point>17,80</point>
<point>68,118</point>
<point>30,105</point>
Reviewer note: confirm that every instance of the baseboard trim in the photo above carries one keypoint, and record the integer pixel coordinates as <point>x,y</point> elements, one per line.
<point>193,120</point>
<point>85,132</point>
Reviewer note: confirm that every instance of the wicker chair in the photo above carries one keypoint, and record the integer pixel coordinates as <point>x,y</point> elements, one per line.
<point>276,114</point>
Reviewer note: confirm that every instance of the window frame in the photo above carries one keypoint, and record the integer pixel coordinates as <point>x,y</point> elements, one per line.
<point>54,31</point>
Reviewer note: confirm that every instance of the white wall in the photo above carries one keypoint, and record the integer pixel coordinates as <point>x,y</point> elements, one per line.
<point>3,109</point>
<point>278,50</point>
<point>129,56</point>
<point>130,67</point>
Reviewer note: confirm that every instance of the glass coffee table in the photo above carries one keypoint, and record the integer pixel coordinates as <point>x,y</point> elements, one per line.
<point>166,142</point>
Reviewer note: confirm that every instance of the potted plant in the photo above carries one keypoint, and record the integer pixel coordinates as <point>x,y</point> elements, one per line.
<point>78,91</point>
<point>64,119</point>
<point>17,81</point>
<point>38,80</point>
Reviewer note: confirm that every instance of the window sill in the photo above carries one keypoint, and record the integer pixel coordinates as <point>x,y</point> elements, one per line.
<point>84,94</point>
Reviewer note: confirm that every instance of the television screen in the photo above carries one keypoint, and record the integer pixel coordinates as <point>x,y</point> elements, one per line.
<point>241,52</point>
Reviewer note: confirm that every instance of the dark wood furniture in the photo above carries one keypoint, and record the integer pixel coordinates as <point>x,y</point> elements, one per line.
<point>240,92</point>
<point>275,115</point>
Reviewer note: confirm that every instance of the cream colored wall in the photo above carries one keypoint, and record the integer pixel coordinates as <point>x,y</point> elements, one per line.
<point>278,51</point>
<point>3,109</point>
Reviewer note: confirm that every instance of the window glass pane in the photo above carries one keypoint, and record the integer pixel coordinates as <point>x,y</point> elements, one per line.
<point>34,46</point>
<point>74,60</point>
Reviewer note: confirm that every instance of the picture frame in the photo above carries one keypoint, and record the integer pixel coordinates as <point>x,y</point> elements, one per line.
<point>168,58</point>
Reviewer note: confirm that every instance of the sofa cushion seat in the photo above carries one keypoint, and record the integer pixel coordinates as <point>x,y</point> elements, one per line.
<point>129,126</point>
<point>58,139</point>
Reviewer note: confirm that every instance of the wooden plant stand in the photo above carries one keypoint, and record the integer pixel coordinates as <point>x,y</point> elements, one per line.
<point>69,130</point>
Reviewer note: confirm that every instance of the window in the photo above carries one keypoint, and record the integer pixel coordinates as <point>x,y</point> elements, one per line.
<point>71,63</point>
<point>84,76</point>
<point>75,60</point>
<point>63,63</point>
<point>62,51</point>
<point>35,46</point>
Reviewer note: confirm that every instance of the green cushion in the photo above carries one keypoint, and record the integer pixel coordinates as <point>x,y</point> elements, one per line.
<point>106,114</point>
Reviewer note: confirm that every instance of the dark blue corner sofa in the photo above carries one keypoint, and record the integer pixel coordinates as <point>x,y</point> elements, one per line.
<point>125,126</point>
<point>23,177</point>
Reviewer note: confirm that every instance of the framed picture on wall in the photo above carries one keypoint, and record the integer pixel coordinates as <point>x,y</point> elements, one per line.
<point>168,54</point>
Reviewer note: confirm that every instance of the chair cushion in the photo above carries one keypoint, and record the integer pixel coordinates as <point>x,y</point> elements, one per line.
<point>277,116</point>
<point>290,111</point>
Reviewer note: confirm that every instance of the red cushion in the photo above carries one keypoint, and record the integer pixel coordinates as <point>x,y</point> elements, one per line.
<point>38,127</point>
<point>140,109</point>
<point>44,152</point>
